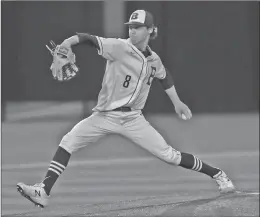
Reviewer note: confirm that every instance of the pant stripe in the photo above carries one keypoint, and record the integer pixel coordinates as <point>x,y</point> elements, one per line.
<point>199,168</point>
<point>55,171</point>
<point>195,163</point>
<point>58,164</point>
<point>57,168</point>
<point>198,164</point>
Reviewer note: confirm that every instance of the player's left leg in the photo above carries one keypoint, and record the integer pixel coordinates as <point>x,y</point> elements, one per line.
<point>142,133</point>
<point>88,131</point>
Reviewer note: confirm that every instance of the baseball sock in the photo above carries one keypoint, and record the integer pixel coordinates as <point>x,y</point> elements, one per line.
<point>57,166</point>
<point>190,161</point>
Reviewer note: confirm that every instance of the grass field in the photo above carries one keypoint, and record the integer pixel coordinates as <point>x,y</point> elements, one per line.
<point>117,178</point>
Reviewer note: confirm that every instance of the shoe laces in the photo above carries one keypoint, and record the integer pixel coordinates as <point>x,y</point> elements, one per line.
<point>223,178</point>
<point>41,185</point>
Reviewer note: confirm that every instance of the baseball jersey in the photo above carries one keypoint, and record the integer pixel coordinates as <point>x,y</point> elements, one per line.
<point>128,74</point>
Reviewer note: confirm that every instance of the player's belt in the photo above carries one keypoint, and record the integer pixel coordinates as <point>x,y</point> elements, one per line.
<point>123,109</point>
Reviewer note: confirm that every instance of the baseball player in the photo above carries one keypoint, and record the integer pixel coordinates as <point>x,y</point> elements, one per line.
<point>130,70</point>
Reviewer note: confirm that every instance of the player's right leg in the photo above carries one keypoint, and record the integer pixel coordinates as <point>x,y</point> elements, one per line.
<point>86,132</point>
<point>142,133</point>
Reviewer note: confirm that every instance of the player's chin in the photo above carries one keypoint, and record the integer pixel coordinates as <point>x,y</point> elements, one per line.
<point>134,39</point>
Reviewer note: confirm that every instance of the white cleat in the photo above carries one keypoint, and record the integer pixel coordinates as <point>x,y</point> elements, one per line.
<point>35,193</point>
<point>224,183</point>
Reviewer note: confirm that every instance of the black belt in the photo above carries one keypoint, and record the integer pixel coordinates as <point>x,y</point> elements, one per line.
<point>123,109</point>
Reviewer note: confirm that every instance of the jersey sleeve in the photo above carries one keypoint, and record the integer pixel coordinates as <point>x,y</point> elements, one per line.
<point>111,48</point>
<point>161,73</point>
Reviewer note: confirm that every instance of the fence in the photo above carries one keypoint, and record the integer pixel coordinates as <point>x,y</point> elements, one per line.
<point>211,48</point>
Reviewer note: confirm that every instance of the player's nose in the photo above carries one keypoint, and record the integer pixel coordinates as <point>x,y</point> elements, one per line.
<point>132,33</point>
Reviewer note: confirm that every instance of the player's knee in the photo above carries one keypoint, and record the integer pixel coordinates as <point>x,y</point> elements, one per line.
<point>172,156</point>
<point>67,144</point>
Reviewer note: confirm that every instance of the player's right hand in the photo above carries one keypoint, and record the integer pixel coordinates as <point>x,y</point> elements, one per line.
<point>183,111</point>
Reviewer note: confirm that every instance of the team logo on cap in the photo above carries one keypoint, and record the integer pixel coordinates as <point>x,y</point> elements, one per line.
<point>134,16</point>
<point>138,16</point>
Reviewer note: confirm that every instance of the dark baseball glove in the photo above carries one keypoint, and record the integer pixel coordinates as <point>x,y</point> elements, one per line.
<point>63,66</point>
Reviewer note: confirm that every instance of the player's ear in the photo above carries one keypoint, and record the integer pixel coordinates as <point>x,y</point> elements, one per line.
<point>150,30</point>
<point>154,33</point>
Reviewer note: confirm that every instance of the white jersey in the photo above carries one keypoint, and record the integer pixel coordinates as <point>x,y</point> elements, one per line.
<point>128,75</point>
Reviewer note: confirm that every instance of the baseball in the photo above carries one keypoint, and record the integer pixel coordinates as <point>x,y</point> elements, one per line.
<point>183,117</point>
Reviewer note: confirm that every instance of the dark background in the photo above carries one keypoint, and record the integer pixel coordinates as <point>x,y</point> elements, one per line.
<point>211,48</point>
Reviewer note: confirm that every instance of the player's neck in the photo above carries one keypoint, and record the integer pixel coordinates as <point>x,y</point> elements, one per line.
<point>142,46</point>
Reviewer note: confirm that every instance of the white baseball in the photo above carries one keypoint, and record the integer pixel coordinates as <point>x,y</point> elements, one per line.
<point>183,117</point>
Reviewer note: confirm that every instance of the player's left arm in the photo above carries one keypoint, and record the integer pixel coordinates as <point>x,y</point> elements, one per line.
<point>81,38</point>
<point>110,48</point>
<point>168,84</point>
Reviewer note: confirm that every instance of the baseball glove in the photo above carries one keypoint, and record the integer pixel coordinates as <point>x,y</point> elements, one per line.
<point>63,66</point>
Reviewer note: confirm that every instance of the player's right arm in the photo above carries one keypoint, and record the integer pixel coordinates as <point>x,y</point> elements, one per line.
<point>167,82</point>
<point>109,48</point>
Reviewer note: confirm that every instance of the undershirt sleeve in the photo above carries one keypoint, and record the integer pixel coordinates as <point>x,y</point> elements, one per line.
<point>88,39</point>
<point>167,82</point>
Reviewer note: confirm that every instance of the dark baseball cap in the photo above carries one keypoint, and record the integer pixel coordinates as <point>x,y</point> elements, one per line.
<point>142,18</point>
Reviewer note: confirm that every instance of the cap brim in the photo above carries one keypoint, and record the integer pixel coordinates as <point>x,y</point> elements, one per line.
<point>135,23</point>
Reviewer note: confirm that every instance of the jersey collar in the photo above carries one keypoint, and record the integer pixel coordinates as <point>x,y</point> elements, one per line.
<point>149,50</point>
<point>151,57</point>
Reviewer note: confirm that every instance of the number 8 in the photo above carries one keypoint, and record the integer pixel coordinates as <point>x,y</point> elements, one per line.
<point>126,82</point>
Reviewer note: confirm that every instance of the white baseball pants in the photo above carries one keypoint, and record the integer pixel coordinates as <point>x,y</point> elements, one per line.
<point>131,125</point>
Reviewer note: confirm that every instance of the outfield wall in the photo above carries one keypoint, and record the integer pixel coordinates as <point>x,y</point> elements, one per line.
<point>211,48</point>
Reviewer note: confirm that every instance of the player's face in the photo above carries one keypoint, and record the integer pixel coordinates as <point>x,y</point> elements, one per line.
<point>138,34</point>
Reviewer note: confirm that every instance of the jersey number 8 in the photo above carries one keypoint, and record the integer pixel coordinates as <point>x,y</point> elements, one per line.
<point>127,80</point>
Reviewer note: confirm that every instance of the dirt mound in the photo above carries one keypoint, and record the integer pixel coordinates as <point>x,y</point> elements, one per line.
<point>236,204</point>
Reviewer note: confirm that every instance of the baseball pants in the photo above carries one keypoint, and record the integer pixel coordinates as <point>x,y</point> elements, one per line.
<point>131,125</point>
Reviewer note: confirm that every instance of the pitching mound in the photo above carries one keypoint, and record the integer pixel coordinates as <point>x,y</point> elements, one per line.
<point>234,204</point>
<point>237,204</point>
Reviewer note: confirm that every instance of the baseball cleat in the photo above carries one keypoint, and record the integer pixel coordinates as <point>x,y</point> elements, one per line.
<point>35,193</point>
<point>224,183</point>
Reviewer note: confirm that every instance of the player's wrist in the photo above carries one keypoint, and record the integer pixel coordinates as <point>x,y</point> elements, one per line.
<point>70,41</point>
<point>65,43</point>
<point>176,103</point>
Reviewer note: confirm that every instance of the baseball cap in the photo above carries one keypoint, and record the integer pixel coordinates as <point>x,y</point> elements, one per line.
<point>141,17</point>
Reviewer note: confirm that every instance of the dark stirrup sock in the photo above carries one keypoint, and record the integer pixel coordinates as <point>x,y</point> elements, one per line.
<point>190,161</point>
<point>57,166</point>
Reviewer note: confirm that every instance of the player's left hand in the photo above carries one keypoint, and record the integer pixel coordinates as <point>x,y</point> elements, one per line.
<point>63,66</point>
<point>183,111</point>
